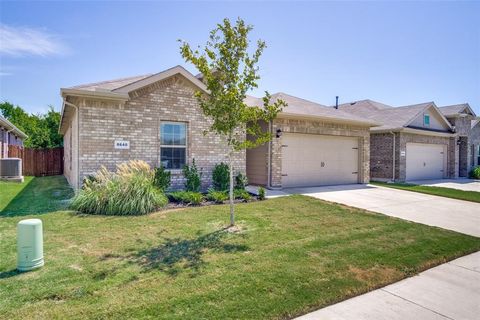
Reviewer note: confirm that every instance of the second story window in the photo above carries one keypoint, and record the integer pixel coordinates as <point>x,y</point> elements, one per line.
<point>426,120</point>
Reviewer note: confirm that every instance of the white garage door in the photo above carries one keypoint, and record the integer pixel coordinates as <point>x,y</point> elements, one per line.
<point>425,161</point>
<point>314,160</point>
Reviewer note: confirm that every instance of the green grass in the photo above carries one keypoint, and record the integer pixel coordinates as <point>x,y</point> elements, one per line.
<point>34,196</point>
<point>436,191</point>
<point>293,255</point>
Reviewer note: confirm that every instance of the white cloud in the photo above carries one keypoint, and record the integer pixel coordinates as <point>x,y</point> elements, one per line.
<point>18,41</point>
<point>3,74</point>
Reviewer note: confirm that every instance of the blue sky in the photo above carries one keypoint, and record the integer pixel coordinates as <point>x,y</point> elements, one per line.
<point>398,53</point>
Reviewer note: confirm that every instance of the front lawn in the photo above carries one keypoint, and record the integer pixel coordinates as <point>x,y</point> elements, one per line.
<point>436,191</point>
<point>34,196</point>
<point>293,255</point>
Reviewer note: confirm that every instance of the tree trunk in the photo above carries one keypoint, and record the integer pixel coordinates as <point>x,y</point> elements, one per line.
<point>232,213</point>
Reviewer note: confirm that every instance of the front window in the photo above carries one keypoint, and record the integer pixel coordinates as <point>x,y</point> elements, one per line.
<point>173,144</point>
<point>426,120</point>
<point>478,155</point>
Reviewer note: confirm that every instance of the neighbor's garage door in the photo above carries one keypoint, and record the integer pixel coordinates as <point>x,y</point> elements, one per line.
<point>425,161</point>
<point>314,160</point>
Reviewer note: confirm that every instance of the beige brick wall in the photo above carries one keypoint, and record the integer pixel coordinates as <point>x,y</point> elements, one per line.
<point>382,154</point>
<point>138,121</point>
<point>452,152</point>
<point>322,128</point>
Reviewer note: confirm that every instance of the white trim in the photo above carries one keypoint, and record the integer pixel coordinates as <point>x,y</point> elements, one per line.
<point>64,92</point>
<point>172,146</point>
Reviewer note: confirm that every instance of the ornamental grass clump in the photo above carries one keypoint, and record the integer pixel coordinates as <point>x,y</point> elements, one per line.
<point>128,191</point>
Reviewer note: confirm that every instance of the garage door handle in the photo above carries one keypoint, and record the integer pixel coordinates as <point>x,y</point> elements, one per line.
<point>322,164</point>
<point>424,164</point>
<point>284,175</point>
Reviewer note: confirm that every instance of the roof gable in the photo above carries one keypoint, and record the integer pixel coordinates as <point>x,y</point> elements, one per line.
<point>141,83</point>
<point>457,110</point>
<point>436,120</point>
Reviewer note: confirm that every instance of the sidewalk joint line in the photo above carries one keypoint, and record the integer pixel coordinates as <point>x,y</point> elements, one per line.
<point>413,302</point>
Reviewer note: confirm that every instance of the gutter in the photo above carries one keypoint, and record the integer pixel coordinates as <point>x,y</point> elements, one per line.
<point>94,94</point>
<point>65,102</point>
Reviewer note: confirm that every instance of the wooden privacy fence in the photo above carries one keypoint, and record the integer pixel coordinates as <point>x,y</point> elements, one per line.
<point>38,162</point>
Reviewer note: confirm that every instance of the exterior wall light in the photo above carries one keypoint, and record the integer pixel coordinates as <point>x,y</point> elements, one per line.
<point>279,133</point>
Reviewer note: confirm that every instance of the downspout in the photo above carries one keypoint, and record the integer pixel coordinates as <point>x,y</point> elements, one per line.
<point>393,170</point>
<point>269,158</point>
<point>78,140</point>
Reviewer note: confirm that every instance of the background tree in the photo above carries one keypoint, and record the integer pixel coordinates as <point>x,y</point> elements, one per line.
<point>229,71</point>
<point>42,129</point>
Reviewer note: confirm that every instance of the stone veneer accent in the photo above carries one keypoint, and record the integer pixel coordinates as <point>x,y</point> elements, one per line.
<point>322,128</point>
<point>382,154</point>
<point>469,140</point>
<point>138,121</point>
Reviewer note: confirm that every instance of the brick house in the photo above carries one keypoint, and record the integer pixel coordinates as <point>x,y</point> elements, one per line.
<point>10,135</point>
<point>156,118</point>
<point>419,141</point>
<point>462,117</point>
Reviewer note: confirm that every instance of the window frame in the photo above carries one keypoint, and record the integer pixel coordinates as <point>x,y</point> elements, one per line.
<point>426,116</point>
<point>478,155</point>
<point>172,146</point>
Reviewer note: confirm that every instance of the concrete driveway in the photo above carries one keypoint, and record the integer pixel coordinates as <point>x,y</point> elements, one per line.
<point>460,184</point>
<point>457,215</point>
<point>449,291</point>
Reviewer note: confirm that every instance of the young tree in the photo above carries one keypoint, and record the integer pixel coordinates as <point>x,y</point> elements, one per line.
<point>229,70</point>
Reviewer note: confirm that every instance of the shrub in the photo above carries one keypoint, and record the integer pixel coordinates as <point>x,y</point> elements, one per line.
<point>128,191</point>
<point>186,197</point>
<point>221,177</point>
<point>162,178</point>
<point>261,193</point>
<point>192,176</point>
<point>217,196</point>
<point>475,173</point>
<point>241,181</point>
<point>242,194</point>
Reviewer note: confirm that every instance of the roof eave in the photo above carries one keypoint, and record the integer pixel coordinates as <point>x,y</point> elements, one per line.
<point>415,131</point>
<point>329,119</point>
<point>11,127</point>
<point>65,92</point>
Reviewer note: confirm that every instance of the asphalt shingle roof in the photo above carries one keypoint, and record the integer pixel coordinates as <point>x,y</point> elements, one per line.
<point>301,107</point>
<point>453,109</point>
<point>390,118</point>
<point>110,85</point>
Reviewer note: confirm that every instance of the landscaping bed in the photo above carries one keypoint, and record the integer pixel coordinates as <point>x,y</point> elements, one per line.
<point>290,255</point>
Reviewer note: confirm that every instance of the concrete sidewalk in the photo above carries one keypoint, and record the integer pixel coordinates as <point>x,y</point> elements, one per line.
<point>449,291</point>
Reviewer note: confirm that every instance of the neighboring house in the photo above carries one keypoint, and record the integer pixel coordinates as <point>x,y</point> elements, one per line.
<point>156,118</point>
<point>462,117</point>
<point>9,135</point>
<point>412,143</point>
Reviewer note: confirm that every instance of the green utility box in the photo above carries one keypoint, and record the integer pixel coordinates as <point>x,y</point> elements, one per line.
<point>29,244</point>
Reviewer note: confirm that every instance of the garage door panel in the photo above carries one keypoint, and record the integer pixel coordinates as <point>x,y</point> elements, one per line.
<point>425,161</point>
<point>313,160</point>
